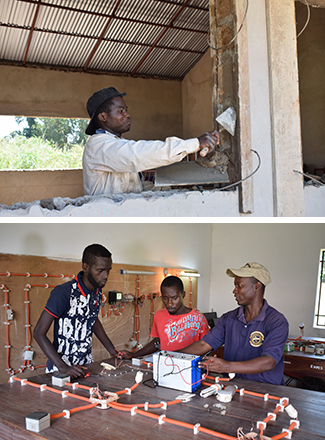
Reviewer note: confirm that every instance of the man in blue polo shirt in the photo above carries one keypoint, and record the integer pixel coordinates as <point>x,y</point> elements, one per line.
<point>74,308</point>
<point>254,334</point>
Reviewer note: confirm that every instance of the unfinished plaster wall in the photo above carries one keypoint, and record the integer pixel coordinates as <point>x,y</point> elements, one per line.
<point>197,98</point>
<point>311,62</point>
<point>29,185</point>
<point>155,105</point>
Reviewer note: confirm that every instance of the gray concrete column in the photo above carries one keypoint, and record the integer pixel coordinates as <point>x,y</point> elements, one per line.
<point>288,191</point>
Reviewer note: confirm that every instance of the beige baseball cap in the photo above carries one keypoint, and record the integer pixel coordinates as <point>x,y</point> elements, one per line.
<point>255,270</point>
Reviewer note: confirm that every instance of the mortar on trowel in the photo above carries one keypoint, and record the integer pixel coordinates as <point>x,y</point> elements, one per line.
<point>214,157</point>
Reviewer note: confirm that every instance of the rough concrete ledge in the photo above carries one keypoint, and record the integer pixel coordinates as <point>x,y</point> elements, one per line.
<point>175,203</point>
<point>314,201</point>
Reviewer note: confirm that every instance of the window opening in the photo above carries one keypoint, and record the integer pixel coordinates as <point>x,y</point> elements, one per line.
<point>41,143</point>
<point>319,320</point>
<point>311,27</point>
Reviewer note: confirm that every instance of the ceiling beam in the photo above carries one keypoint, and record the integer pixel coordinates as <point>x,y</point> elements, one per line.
<point>31,33</point>
<point>100,39</point>
<point>91,37</point>
<point>160,37</point>
<point>99,14</point>
<point>171,2</point>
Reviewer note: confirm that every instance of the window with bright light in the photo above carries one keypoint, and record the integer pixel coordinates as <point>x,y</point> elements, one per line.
<point>319,320</point>
<point>41,143</point>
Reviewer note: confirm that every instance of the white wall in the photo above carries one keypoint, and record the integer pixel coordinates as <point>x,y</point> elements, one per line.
<point>167,245</point>
<point>290,252</point>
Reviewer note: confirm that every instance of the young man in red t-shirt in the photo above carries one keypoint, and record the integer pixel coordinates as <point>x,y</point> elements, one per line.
<point>175,326</point>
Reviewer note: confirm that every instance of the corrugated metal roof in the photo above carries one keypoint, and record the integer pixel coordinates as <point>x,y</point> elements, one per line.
<point>155,38</point>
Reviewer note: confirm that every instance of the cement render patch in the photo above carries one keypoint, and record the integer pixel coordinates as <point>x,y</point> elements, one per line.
<point>152,204</point>
<point>211,203</point>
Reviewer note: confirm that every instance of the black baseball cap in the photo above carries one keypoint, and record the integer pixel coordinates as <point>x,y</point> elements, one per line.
<point>95,101</point>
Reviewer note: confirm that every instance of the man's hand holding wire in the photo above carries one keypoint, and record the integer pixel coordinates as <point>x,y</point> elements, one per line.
<point>124,354</point>
<point>216,365</point>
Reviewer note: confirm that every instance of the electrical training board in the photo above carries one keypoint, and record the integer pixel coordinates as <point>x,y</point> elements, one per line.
<point>179,371</point>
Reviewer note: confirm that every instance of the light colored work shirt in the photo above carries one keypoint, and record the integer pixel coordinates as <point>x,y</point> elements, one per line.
<point>111,164</point>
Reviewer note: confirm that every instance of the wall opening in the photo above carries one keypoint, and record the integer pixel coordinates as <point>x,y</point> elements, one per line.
<point>319,318</point>
<point>41,143</point>
<point>311,64</point>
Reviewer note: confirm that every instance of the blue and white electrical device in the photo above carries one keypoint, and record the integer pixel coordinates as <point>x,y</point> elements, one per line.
<point>179,371</point>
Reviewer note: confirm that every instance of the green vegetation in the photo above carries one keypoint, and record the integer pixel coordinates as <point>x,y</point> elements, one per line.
<point>21,153</point>
<point>60,132</point>
<point>45,143</point>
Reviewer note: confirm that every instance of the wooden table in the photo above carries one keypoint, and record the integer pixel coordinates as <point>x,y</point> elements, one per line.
<point>297,363</point>
<point>18,401</point>
<point>300,364</point>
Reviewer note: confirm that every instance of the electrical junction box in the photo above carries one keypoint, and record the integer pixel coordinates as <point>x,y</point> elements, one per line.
<point>179,371</point>
<point>114,296</point>
<point>37,421</point>
<point>28,355</point>
<point>310,349</point>
<point>60,379</point>
<point>138,361</point>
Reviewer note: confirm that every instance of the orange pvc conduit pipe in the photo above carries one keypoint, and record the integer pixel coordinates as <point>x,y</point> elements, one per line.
<point>150,405</point>
<point>251,393</point>
<point>26,363</point>
<point>28,275</point>
<point>125,391</point>
<point>28,325</point>
<point>7,323</point>
<point>136,326</point>
<point>135,408</point>
<point>118,313</point>
<point>284,434</point>
<point>77,385</point>
<point>73,410</point>
<point>53,390</point>
<point>220,379</point>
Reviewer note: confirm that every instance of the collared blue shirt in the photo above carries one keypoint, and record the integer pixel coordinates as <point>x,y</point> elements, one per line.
<point>265,335</point>
<point>75,309</point>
